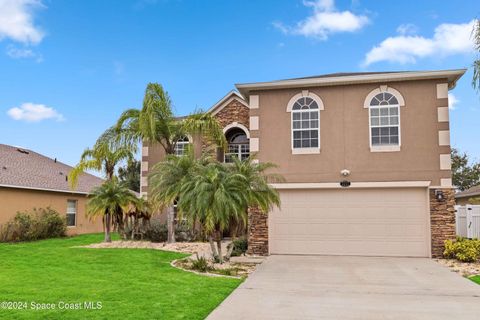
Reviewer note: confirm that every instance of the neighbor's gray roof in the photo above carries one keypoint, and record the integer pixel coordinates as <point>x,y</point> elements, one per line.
<point>473,191</point>
<point>23,168</point>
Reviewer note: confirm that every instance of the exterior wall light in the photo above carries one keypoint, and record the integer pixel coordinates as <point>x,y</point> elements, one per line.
<point>345,172</point>
<point>439,195</point>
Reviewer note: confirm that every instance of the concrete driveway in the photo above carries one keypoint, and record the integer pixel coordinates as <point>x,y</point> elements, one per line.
<point>329,287</point>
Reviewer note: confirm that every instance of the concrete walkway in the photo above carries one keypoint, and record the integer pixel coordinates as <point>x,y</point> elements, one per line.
<point>328,287</point>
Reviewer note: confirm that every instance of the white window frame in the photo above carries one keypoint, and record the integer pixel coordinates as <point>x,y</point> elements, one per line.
<point>367,104</point>
<point>295,98</point>
<point>181,143</point>
<point>72,213</point>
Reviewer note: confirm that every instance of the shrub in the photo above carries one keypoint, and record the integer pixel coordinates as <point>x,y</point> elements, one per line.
<point>157,232</point>
<point>38,224</point>
<point>240,246</point>
<point>465,250</point>
<point>200,264</point>
<point>183,232</point>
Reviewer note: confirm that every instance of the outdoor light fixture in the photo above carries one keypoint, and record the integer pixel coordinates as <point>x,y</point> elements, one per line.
<point>439,195</point>
<point>345,172</point>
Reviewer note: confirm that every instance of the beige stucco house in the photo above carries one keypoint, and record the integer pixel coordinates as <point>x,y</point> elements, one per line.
<point>30,180</point>
<point>365,156</point>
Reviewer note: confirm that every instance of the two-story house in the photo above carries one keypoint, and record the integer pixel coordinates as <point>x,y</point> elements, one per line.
<point>365,156</point>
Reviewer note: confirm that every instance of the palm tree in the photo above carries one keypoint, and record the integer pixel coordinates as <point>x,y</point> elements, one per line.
<point>476,63</point>
<point>139,209</point>
<point>214,196</point>
<point>155,123</point>
<point>105,155</point>
<point>166,180</point>
<point>109,200</point>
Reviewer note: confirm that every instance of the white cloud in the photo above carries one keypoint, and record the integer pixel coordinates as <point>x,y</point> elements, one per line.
<point>32,112</point>
<point>23,53</point>
<point>324,21</point>
<point>407,28</point>
<point>448,39</point>
<point>452,101</point>
<point>16,21</point>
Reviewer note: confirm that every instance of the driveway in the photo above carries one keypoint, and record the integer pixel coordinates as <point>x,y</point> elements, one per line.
<point>331,287</point>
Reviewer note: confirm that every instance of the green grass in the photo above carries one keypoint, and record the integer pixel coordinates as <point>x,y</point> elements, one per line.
<point>130,283</point>
<point>475,279</point>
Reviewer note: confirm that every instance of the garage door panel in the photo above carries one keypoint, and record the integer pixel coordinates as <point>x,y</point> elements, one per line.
<point>359,222</point>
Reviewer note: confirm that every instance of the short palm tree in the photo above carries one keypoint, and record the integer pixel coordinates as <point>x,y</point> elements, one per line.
<point>166,180</point>
<point>155,123</point>
<point>109,200</point>
<point>140,209</point>
<point>214,196</point>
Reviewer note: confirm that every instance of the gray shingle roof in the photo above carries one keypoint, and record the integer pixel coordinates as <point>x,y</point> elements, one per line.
<point>473,191</point>
<point>23,168</point>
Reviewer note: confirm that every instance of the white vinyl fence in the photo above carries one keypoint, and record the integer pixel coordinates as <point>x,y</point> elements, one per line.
<point>467,219</point>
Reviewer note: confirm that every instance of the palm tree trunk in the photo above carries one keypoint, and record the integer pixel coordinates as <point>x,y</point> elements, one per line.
<point>219,246</point>
<point>108,238</point>
<point>212,246</point>
<point>171,224</point>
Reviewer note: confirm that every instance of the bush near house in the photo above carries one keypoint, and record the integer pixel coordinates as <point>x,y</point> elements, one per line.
<point>42,223</point>
<point>462,249</point>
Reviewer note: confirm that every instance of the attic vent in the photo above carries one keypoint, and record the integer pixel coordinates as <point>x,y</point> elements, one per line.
<point>23,151</point>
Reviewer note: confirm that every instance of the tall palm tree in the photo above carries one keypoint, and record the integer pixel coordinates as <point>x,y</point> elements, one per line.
<point>476,63</point>
<point>155,123</point>
<point>110,199</point>
<point>105,155</point>
<point>214,196</point>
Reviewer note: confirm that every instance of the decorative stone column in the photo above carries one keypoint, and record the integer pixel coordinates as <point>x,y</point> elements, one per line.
<point>257,232</point>
<point>442,220</point>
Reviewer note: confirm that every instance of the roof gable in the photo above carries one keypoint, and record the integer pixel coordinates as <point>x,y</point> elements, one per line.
<point>222,103</point>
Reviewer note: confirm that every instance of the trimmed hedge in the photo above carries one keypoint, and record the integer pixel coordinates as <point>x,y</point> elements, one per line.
<point>462,249</point>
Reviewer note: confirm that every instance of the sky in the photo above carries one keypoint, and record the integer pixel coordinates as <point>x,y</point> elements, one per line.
<point>69,68</point>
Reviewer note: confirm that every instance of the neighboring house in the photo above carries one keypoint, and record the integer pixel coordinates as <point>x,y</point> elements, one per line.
<point>466,196</point>
<point>366,158</point>
<point>30,180</point>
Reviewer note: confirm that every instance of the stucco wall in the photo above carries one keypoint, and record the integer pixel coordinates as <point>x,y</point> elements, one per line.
<point>344,135</point>
<point>13,200</point>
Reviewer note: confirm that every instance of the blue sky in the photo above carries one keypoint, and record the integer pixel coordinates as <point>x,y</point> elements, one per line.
<point>69,68</point>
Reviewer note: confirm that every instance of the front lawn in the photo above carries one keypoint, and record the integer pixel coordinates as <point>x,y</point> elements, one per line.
<point>129,283</point>
<point>475,279</point>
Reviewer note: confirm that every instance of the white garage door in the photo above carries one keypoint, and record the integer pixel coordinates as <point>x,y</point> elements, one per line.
<point>371,222</point>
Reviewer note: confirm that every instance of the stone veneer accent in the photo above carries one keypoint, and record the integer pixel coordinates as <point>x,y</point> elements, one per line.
<point>442,220</point>
<point>234,112</point>
<point>257,232</point>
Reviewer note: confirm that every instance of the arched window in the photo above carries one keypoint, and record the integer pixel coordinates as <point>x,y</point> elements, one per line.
<point>238,144</point>
<point>305,124</point>
<point>181,146</point>
<point>384,112</point>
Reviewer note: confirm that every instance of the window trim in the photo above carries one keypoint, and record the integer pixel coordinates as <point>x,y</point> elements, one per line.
<point>318,100</point>
<point>76,212</point>
<point>182,142</point>
<point>401,103</point>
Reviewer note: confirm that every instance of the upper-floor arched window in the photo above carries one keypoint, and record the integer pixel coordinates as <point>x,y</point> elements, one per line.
<point>305,118</point>
<point>238,144</point>
<point>384,118</point>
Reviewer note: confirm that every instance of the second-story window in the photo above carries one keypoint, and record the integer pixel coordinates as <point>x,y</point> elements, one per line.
<point>181,146</point>
<point>305,124</point>
<point>238,145</point>
<point>384,120</point>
